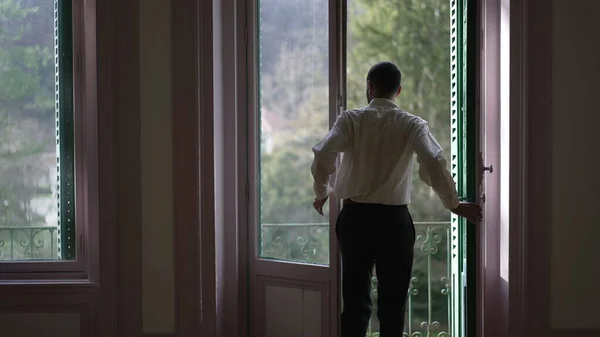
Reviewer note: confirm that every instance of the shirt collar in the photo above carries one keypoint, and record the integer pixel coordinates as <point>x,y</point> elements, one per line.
<point>383,102</point>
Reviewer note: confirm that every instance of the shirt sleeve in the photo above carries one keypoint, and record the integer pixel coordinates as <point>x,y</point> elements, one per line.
<point>432,168</point>
<point>325,154</point>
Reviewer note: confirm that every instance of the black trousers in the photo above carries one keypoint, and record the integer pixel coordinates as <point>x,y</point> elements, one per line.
<point>382,236</point>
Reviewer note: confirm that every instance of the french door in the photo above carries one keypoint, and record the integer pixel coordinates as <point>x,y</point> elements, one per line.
<point>307,62</point>
<point>295,81</point>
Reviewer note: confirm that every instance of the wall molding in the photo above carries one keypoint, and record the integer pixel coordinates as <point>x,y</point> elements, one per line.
<point>538,87</point>
<point>125,80</point>
<point>204,59</point>
<point>186,199</point>
<point>194,225</point>
<point>108,309</point>
<point>519,149</point>
<point>230,171</point>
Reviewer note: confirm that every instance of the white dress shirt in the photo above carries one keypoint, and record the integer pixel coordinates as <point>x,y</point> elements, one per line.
<point>378,143</point>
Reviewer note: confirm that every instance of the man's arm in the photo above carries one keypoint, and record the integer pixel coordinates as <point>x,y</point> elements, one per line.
<point>432,168</point>
<point>326,152</point>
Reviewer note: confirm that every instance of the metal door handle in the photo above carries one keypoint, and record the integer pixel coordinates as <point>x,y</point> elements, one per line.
<point>483,169</point>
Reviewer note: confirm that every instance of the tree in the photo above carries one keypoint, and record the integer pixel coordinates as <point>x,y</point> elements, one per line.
<point>295,88</point>
<point>298,91</point>
<point>415,36</point>
<point>287,188</point>
<point>297,25</point>
<point>296,77</point>
<point>293,53</point>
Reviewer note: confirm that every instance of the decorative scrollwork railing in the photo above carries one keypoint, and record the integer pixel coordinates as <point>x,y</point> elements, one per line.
<point>19,243</point>
<point>429,302</point>
<point>304,242</point>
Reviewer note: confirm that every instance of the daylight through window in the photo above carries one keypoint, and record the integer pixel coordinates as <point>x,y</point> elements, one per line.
<point>37,204</point>
<point>294,116</point>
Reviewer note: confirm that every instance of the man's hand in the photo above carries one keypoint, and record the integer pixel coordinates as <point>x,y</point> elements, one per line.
<point>469,211</point>
<point>318,204</point>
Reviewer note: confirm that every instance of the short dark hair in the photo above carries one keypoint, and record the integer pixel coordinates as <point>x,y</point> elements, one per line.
<point>386,77</point>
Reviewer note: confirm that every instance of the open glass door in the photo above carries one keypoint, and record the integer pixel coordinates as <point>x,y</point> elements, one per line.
<point>294,81</point>
<point>433,43</point>
<point>307,59</point>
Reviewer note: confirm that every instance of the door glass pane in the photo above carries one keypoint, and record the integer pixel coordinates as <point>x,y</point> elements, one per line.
<point>294,116</point>
<point>36,131</point>
<point>415,36</point>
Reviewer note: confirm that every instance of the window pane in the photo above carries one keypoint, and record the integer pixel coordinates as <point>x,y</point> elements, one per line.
<point>35,115</point>
<point>294,116</point>
<point>415,36</point>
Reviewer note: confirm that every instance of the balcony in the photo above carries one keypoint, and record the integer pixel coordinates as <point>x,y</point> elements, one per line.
<point>18,243</point>
<point>429,300</point>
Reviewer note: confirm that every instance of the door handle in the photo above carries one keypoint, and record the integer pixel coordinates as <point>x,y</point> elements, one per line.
<point>483,168</point>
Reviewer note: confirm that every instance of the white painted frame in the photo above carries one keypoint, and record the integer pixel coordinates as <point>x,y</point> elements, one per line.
<point>247,98</point>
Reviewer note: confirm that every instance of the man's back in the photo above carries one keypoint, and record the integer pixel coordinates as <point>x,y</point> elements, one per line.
<point>378,159</point>
<point>378,143</point>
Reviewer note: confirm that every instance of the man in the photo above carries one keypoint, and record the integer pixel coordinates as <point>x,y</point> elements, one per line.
<point>374,180</point>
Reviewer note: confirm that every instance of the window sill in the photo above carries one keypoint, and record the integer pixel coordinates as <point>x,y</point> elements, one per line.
<point>27,272</point>
<point>48,286</point>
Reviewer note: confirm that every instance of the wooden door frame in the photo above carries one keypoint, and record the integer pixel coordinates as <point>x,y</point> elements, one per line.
<point>490,318</point>
<point>503,237</point>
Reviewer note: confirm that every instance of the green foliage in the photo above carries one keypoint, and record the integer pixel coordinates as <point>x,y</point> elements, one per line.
<point>26,107</point>
<point>286,184</point>
<point>415,35</point>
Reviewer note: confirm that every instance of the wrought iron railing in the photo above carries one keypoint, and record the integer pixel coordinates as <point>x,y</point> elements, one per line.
<point>28,243</point>
<point>428,306</point>
<point>299,242</point>
<point>429,302</point>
